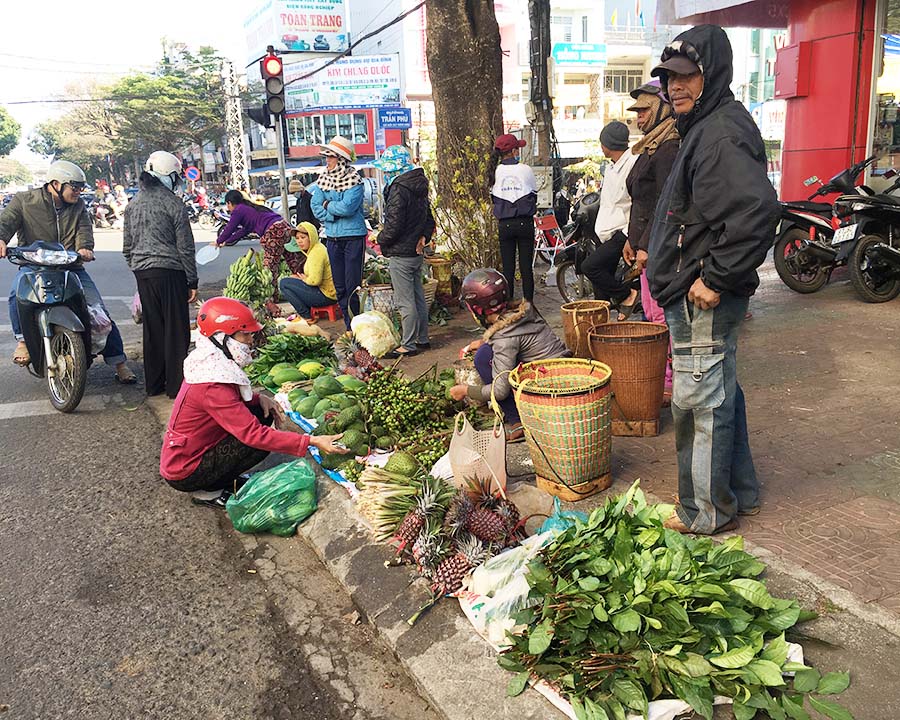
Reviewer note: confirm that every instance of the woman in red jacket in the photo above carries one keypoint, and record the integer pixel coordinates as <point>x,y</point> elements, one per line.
<point>219,428</point>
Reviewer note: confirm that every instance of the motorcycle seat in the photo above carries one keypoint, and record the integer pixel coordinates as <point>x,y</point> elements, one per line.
<point>808,206</point>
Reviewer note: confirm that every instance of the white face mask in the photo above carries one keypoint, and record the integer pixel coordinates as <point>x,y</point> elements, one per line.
<point>240,353</point>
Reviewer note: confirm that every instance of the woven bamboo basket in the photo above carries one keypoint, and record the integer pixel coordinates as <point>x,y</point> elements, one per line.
<point>441,271</point>
<point>382,297</point>
<point>430,287</point>
<point>578,318</point>
<point>637,353</point>
<point>564,407</point>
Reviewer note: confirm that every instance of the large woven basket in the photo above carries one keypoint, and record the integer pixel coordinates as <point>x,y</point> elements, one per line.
<point>564,407</point>
<point>441,271</point>
<point>578,318</point>
<point>430,287</point>
<point>637,353</point>
<point>382,297</point>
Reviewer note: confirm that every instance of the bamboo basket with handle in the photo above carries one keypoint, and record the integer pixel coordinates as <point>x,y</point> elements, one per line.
<point>578,318</point>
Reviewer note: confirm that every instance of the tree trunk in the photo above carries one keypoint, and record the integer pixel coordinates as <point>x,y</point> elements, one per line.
<point>464,62</point>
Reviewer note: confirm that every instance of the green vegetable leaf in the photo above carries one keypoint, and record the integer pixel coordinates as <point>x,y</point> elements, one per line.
<point>776,651</point>
<point>600,612</point>
<point>829,708</point>
<point>507,663</point>
<point>793,707</point>
<point>518,684</point>
<point>577,706</point>
<point>626,621</point>
<point>833,683</point>
<point>768,672</point>
<point>589,584</point>
<point>752,591</point>
<point>595,711</point>
<point>540,637</point>
<point>743,712</point>
<point>806,680</point>
<point>735,658</point>
<point>783,619</point>
<point>696,665</point>
<point>631,694</point>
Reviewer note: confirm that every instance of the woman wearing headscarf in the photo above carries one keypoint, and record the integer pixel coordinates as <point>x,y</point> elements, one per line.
<point>656,153</point>
<point>337,202</point>
<point>313,287</point>
<point>408,226</point>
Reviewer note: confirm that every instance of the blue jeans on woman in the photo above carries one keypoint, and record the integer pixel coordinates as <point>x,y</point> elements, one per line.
<point>716,477</point>
<point>346,257</point>
<point>303,296</point>
<point>483,361</point>
<point>114,351</point>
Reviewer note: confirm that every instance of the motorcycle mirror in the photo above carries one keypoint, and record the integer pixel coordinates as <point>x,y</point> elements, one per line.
<point>811,180</point>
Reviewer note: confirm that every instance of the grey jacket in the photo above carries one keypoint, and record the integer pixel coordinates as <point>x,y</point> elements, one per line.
<point>32,216</point>
<point>158,234</point>
<point>519,336</point>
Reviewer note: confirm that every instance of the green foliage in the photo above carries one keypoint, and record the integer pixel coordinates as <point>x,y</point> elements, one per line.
<point>463,212</point>
<point>10,132</point>
<point>12,172</point>
<point>627,611</point>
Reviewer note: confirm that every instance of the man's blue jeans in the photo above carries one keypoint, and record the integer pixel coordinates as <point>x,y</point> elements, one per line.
<point>302,296</point>
<point>716,477</point>
<point>113,353</point>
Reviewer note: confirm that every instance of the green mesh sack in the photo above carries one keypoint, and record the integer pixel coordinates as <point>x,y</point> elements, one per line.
<point>275,500</point>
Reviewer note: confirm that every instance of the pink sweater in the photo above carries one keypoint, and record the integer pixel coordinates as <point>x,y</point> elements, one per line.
<point>205,414</point>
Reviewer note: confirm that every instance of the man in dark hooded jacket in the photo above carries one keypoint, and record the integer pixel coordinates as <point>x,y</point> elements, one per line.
<point>408,226</point>
<point>714,222</point>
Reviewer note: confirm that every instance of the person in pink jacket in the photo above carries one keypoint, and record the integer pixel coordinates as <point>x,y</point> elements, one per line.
<point>219,428</point>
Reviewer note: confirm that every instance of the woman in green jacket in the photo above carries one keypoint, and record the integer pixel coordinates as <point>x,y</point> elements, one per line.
<point>313,287</point>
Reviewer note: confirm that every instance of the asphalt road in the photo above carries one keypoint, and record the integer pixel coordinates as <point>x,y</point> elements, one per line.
<point>120,599</point>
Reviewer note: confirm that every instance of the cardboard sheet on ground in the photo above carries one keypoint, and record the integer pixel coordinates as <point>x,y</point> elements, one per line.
<point>498,589</point>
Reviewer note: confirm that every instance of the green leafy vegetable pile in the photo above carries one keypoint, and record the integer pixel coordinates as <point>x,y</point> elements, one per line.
<point>289,348</point>
<point>627,612</point>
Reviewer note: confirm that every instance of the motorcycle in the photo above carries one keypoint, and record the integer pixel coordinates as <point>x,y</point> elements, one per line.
<point>803,253</point>
<point>55,320</point>
<point>104,216</point>
<point>871,237</point>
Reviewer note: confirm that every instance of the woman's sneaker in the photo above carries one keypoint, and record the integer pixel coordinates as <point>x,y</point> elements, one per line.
<point>216,501</point>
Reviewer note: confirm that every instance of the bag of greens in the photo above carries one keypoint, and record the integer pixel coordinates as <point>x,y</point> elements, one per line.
<point>275,500</point>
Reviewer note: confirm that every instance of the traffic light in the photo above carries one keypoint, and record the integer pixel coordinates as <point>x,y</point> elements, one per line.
<point>272,72</point>
<point>261,115</point>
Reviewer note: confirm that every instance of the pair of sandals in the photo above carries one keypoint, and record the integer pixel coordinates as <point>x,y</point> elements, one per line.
<point>123,375</point>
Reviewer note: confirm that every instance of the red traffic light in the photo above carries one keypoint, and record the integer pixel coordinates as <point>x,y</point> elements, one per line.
<point>272,66</point>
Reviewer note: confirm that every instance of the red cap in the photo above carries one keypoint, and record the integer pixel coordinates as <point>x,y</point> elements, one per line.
<point>508,142</point>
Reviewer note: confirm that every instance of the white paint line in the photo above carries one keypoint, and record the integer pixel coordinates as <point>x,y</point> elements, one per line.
<point>34,408</point>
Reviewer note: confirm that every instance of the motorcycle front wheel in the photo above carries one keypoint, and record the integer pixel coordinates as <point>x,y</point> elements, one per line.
<point>797,269</point>
<point>873,281</point>
<point>69,360</point>
<point>207,221</point>
<point>572,286</point>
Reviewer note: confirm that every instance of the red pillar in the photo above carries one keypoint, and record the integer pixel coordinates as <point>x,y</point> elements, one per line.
<point>827,130</point>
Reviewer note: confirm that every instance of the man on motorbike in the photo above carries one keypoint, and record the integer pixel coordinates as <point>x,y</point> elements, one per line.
<point>56,212</point>
<point>612,222</point>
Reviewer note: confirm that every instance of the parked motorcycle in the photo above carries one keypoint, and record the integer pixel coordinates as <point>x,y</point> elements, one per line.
<point>55,320</point>
<point>871,234</point>
<point>803,253</point>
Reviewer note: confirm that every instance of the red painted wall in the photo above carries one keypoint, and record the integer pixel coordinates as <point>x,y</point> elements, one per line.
<point>827,130</point>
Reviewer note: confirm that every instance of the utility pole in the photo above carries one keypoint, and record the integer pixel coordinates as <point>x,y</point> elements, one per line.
<point>541,104</point>
<point>234,128</point>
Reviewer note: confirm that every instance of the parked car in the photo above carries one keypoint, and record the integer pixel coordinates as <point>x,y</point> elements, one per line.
<point>320,43</point>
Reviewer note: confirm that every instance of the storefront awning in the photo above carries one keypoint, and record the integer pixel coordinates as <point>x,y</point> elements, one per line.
<point>727,13</point>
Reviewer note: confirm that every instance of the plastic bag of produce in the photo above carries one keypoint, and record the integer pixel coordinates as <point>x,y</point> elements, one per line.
<point>137,314</point>
<point>478,453</point>
<point>275,500</point>
<point>561,520</point>
<point>101,327</point>
<point>375,332</point>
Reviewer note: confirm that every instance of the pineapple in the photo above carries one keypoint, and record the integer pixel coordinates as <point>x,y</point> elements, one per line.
<point>481,494</point>
<point>429,549</point>
<point>458,514</point>
<point>487,525</point>
<point>449,574</point>
<point>417,517</point>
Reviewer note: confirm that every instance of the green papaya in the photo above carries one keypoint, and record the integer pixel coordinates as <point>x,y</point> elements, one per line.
<point>307,406</point>
<point>296,395</point>
<point>325,385</point>
<point>287,375</point>
<point>345,401</point>
<point>281,366</point>
<point>323,405</point>
<point>351,384</point>
<point>311,368</point>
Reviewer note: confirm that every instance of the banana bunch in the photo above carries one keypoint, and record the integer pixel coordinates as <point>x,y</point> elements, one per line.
<point>248,280</point>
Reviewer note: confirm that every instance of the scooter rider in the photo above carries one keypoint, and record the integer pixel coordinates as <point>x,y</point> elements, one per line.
<point>56,212</point>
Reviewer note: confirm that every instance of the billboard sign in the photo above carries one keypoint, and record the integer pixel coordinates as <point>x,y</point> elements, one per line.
<point>318,26</point>
<point>395,118</point>
<point>356,81</point>
<point>590,54</point>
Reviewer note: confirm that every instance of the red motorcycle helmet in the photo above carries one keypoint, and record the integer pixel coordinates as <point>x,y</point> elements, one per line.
<point>226,315</point>
<point>485,292</point>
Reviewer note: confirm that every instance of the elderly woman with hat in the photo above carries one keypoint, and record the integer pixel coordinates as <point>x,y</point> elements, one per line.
<point>337,202</point>
<point>514,194</point>
<point>656,153</point>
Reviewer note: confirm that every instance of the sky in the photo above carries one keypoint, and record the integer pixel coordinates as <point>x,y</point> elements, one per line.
<point>54,43</point>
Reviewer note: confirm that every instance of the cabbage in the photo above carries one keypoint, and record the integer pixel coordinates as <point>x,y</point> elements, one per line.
<point>375,332</point>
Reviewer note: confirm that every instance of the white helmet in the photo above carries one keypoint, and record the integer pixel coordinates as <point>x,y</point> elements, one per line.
<point>165,167</point>
<point>64,171</point>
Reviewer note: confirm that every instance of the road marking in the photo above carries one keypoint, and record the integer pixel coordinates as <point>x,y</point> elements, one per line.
<point>34,408</point>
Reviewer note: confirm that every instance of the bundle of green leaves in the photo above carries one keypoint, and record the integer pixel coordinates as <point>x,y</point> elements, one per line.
<point>627,611</point>
<point>289,348</point>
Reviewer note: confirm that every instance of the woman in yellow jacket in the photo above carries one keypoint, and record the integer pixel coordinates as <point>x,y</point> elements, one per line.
<point>313,287</point>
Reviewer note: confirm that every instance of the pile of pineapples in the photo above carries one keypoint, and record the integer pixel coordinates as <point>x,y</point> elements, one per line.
<point>444,531</point>
<point>353,358</point>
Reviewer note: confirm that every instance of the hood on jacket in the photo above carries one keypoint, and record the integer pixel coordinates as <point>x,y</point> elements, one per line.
<point>516,320</point>
<point>310,229</point>
<point>709,48</point>
<point>414,180</point>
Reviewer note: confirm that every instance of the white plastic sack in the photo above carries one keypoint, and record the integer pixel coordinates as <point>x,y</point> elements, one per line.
<point>136,313</point>
<point>101,327</point>
<point>375,332</point>
<point>478,453</point>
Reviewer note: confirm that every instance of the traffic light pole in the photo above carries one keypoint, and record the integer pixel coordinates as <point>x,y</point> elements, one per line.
<point>282,168</point>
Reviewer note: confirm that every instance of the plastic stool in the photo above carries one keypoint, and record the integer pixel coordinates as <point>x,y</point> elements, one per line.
<point>332,312</point>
